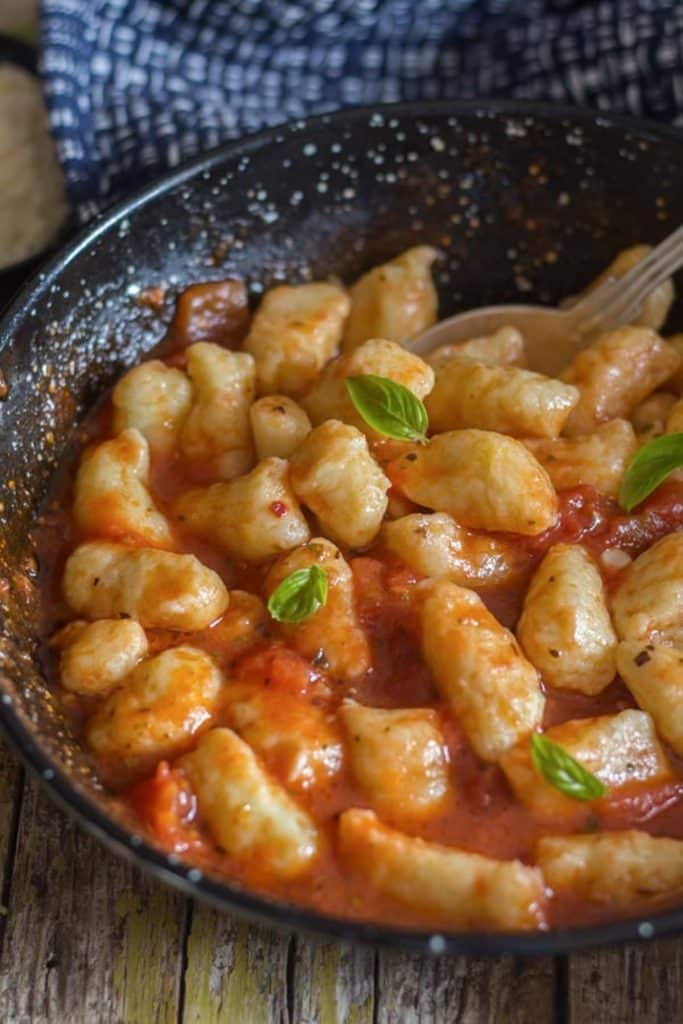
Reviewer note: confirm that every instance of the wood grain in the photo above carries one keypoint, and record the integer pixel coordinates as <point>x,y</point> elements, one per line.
<point>505,990</point>
<point>88,938</point>
<point>332,983</point>
<point>640,984</point>
<point>235,973</point>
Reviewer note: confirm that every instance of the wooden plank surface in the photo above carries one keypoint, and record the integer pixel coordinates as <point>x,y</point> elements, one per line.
<point>465,990</point>
<point>640,984</point>
<point>234,972</point>
<point>332,983</point>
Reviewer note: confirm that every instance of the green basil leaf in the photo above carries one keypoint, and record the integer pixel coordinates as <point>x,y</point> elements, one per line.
<point>388,407</point>
<point>649,467</point>
<point>299,595</point>
<point>561,770</point>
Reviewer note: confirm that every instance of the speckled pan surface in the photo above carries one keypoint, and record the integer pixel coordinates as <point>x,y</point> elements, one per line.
<point>522,201</point>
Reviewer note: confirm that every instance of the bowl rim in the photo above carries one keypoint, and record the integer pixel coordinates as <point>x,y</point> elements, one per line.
<point>133,848</point>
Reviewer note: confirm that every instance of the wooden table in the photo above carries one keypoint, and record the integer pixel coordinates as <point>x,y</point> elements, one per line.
<point>87,939</point>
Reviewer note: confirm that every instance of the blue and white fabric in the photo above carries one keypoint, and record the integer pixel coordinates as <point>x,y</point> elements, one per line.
<point>134,86</point>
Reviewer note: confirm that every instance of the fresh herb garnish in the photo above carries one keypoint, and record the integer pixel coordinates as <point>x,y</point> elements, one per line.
<point>388,407</point>
<point>299,595</point>
<point>649,467</point>
<point>561,770</point>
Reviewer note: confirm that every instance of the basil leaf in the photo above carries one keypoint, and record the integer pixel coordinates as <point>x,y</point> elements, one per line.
<point>299,595</point>
<point>388,407</point>
<point>561,770</point>
<point>649,467</point>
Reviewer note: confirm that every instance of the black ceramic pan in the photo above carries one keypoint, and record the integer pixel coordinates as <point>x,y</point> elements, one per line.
<point>525,202</point>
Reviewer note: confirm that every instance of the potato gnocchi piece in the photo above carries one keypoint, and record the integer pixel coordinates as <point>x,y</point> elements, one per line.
<point>162,704</point>
<point>336,477</point>
<point>333,634</point>
<point>505,347</point>
<point>217,430</point>
<point>619,868</point>
<point>486,481</point>
<point>649,418</point>
<point>248,813</point>
<point>160,589</point>
<point>111,496</point>
<point>616,373</point>
<point>654,675</point>
<point>154,399</point>
<point>295,331</point>
<point>279,426</point>
<point>648,604</point>
<point>250,518</point>
<point>394,300</point>
<point>399,758</point>
<point>565,628</point>
<point>299,740</point>
<point>433,544</point>
<point>479,668</point>
<point>502,398</point>
<point>598,459</point>
<point>465,889</point>
<point>329,398</point>
<point>656,306</point>
<point>101,655</point>
<point>618,749</point>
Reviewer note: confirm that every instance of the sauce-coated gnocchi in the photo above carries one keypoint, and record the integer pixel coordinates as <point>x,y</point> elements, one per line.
<point>388,650</point>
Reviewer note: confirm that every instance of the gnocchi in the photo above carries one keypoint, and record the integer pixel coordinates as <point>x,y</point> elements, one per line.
<point>294,333</point>
<point>598,459</point>
<point>217,430</point>
<point>101,655</point>
<point>333,635</point>
<point>336,477</point>
<point>433,544</point>
<point>160,589</point>
<point>250,518</point>
<point>478,666</point>
<point>503,398</point>
<point>484,480</point>
<point>247,812</point>
<point>329,398</point>
<point>618,868</point>
<point>398,757</point>
<point>616,373</point>
<point>279,426</point>
<point>111,495</point>
<point>654,675</point>
<point>462,888</point>
<point>155,399</point>
<point>394,300</point>
<point>565,629</point>
<point>620,750</point>
<point>159,707</point>
<point>648,603</point>
<point>299,739</point>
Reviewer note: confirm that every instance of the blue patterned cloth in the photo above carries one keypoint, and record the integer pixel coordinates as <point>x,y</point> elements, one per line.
<point>134,86</point>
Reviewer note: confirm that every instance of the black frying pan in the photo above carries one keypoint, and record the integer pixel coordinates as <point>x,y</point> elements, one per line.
<point>524,201</point>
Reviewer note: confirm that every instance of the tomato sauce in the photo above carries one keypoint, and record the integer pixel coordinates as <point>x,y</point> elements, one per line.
<point>483,816</point>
